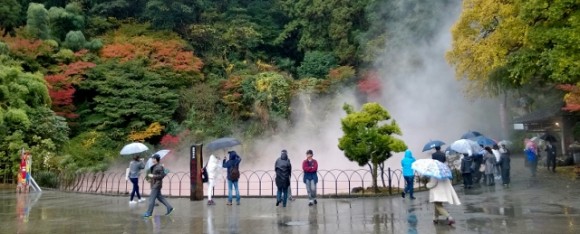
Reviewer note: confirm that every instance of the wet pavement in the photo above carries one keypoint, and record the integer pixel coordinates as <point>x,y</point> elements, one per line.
<point>547,204</point>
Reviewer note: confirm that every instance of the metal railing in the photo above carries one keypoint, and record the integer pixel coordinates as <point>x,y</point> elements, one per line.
<point>257,183</point>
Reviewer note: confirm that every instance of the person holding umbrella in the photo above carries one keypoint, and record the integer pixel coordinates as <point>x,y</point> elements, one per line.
<point>135,167</point>
<point>440,187</point>
<point>408,174</point>
<point>442,191</point>
<point>438,155</point>
<point>551,156</point>
<point>232,166</point>
<point>504,162</point>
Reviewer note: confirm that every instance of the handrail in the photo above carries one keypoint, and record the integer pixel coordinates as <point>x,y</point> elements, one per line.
<point>258,183</point>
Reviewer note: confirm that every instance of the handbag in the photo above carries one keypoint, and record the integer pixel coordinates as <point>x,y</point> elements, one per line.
<point>482,168</point>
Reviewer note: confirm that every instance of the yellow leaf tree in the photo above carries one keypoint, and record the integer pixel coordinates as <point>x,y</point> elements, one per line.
<point>485,34</point>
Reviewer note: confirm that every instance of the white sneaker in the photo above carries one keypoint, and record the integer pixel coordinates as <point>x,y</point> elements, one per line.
<point>132,202</point>
<point>142,200</point>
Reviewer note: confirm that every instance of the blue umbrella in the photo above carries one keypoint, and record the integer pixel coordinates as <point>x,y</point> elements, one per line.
<point>485,141</point>
<point>471,134</point>
<point>222,143</point>
<point>433,144</point>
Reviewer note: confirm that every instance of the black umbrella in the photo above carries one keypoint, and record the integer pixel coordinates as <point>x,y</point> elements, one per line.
<point>548,137</point>
<point>222,143</point>
<point>471,134</point>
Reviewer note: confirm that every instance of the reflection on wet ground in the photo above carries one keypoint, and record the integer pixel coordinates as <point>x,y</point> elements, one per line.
<point>545,204</point>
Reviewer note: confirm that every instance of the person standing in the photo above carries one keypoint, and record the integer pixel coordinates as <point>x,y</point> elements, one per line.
<point>232,166</point>
<point>438,155</point>
<point>310,168</point>
<point>504,162</point>
<point>551,156</point>
<point>283,170</point>
<point>467,170</point>
<point>441,191</point>
<point>477,161</point>
<point>135,167</point>
<point>490,163</point>
<point>497,154</point>
<point>213,169</point>
<point>157,174</point>
<point>408,173</point>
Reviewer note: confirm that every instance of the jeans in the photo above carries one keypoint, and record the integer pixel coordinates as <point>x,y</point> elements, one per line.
<point>135,182</point>
<point>235,185</point>
<point>409,185</point>
<point>282,195</point>
<point>490,179</point>
<point>311,189</point>
<point>156,194</point>
<point>533,167</point>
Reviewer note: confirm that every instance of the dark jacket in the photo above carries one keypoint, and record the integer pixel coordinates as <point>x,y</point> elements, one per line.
<point>551,151</point>
<point>158,174</point>
<point>466,164</point>
<point>283,170</point>
<point>440,156</point>
<point>504,159</point>
<point>310,170</point>
<point>234,161</point>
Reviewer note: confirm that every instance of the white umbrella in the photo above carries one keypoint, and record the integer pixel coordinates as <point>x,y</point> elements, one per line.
<point>134,148</point>
<point>432,168</point>
<point>161,154</point>
<point>504,142</point>
<point>466,146</point>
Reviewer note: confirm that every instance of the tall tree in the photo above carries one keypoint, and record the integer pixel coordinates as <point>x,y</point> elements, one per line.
<point>369,138</point>
<point>9,15</point>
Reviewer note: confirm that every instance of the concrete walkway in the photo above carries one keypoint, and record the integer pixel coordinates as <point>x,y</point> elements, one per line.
<point>547,204</point>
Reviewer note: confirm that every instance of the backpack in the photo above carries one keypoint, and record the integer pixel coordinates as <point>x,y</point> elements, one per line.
<point>235,173</point>
<point>204,176</point>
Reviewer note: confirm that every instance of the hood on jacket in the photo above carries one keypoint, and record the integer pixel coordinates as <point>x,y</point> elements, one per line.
<point>284,156</point>
<point>408,153</point>
<point>233,155</point>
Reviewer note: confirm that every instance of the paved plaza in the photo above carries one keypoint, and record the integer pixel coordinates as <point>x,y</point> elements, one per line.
<point>547,204</point>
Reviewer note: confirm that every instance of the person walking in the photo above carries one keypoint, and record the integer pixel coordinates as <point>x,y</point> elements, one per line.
<point>490,163</point>
<point>283,170</point>
<point>310,168</point>
<point>440,191</point>
<point>233,170</point>
<point>438,155</point>
<point>408,173</point>
<point>531,160</point>
<point>504,162</point>
<point>157,174</point>
<point>135,167</point>
<point>213,169</point>
<point>551,156</point>
<point>477,161</point>
<point>467,170</point>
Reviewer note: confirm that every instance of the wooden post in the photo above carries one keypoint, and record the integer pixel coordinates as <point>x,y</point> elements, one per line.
<point>196,162</point>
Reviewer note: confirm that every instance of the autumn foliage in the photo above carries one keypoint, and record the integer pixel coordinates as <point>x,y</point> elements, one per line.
<point>154,129</point>
<point>161,53</point>
<point>572,98</point>
<point>370,84</point>
<point>61,87</point>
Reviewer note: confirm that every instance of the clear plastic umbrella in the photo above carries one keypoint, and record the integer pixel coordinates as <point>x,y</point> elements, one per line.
<point>161,154</point>
<point>432,168</point>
